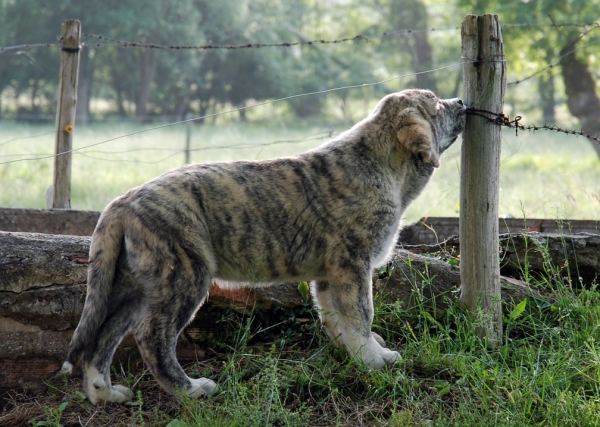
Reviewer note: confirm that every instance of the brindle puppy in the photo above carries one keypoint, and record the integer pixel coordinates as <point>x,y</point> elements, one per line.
<point>330,215</point>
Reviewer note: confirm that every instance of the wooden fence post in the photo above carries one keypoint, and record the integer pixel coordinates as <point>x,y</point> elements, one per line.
<point>484,74</point>
<point>59,196</point>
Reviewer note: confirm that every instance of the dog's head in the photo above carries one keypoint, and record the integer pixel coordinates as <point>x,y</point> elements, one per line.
<point>424,125</point>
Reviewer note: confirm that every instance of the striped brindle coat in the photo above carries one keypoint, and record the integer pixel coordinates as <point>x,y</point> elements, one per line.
<point>329,215</point>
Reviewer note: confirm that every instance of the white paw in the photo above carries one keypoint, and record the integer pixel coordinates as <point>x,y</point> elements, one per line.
<point>66,369</point>
<point>119,394</point>
<point>98,390</point>
<point>386,357</point>
<point>374,355</point>
<point>115,393</point>
<point>202,387</point>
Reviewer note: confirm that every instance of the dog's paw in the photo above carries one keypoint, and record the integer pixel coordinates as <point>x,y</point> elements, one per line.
<point>116,393</point>
<point>202,387</point>
<point>386,357</point>
<point>376,356</point>
<point>100,390</point>
<point>120,394</point>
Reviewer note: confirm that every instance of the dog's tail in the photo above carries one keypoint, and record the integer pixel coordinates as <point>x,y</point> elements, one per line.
<point>107,241</point>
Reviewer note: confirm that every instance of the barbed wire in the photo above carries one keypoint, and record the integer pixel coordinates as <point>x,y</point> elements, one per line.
<point>538,25</point>
<point>110,41</point>
<point>28,46</point>
<point>502,119</point>
<point>126,43</point>
<point>358,37</point>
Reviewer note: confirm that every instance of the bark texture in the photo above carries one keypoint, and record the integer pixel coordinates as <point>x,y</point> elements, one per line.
<point>582,100</point>
<point>484,76</point>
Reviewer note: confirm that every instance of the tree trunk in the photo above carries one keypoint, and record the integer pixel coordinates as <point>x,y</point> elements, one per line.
<point>413,14</point>
<point>148,70</point>
<point>582,100</point>
<point>45,264</point>
<point>546,89</point>
<point>34,89</point>
<point>149,65</point>
<point>118,88</point>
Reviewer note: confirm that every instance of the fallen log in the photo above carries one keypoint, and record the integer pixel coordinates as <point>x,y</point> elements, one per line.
<point>573,258</point>
<point>432,230</point>
<point>42,290</point>
<point>49,221</point>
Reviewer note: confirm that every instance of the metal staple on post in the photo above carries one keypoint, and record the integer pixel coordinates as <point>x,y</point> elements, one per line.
<point>59,194</point>
<point>484,74</point>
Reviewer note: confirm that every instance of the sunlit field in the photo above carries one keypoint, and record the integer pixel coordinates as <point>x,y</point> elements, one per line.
<point>543,175</point>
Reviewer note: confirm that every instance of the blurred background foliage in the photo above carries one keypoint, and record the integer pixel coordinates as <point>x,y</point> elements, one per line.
<point>552,49</point>
<point>145,83</point>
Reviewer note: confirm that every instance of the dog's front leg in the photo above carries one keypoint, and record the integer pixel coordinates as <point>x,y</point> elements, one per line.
<point>346,304</point>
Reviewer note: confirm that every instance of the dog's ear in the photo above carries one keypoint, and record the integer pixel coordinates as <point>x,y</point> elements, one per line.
<point>415,135</point>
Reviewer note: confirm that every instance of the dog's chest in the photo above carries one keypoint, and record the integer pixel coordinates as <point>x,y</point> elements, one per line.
<point>383,249</point>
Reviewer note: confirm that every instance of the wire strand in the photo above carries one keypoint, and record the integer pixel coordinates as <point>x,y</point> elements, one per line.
<point>329,134</point>
<point>176,151</point>
<point>27,137</point>
<point>27,46</point>
<point>238,109</point>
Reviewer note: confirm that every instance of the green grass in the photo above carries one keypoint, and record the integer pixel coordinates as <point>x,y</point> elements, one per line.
<point>545,373</point>
<point>543,175</point>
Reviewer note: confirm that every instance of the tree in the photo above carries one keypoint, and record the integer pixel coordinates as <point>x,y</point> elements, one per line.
<point>582,98</point>
<point>145,82</point>
<point>33,71</point>
<point>413,14</point>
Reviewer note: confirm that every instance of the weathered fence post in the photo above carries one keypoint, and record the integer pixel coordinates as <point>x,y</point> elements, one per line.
<point>484,74</point>
<point>60,193</point>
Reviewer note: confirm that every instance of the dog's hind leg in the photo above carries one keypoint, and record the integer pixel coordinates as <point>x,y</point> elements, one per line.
<point>172,304</point>
<point>124,312</point>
